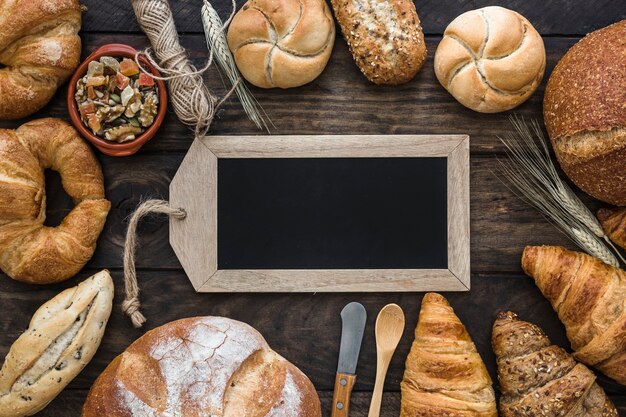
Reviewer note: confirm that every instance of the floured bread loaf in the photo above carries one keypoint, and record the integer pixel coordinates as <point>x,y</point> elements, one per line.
<point>61,339</point>
<point>203,366</point>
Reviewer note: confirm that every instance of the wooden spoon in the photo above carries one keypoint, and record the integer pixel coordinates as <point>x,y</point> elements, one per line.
<point>389,329</point>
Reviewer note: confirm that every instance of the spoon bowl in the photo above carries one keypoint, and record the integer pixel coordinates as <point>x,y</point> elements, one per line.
<point>389,329</point>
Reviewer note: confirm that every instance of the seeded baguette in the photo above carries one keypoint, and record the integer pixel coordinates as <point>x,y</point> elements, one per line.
<point>62,338</point>
<point>385,38</point>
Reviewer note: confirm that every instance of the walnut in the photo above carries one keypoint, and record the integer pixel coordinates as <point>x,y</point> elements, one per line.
<point>122,133</point>
<point>148,110</point>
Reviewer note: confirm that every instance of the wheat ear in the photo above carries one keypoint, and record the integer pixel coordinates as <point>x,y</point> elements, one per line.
<point>530,170</point>
<point>214,31</point>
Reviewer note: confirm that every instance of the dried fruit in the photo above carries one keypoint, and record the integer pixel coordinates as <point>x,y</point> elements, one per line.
<point>129,67</point>
<point>145,80</point>
<point>115,100</point>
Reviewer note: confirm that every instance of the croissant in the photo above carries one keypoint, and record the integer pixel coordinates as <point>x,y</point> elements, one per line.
<point>540,379</point>
<point>39,50</point>
<point>445,375</point>
<point>589,297</point>
<point>613,222</point>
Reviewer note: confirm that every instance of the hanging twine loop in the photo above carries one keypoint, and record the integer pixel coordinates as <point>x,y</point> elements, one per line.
<point>131,303</point>
<point>191,100</point>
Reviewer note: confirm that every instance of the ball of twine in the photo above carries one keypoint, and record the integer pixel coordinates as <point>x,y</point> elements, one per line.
<point>191,100</point>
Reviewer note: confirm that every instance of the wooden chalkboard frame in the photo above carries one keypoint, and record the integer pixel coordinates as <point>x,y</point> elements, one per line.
<point>194,189</point>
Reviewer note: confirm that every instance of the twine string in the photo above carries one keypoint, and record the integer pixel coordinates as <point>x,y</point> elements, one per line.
<point>191,100</point>
<point>131,303</point>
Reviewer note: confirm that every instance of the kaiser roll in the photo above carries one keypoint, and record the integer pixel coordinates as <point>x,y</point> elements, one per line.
<point>491,59</point>
<point>203,366</point>
<point>282,43</point>
<point>585,113</point>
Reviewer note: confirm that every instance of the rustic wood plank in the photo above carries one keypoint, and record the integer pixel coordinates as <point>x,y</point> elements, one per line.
<point>69,403</point>
<point>340,101</point>
<point>303,328</point>
<point>501,224</point>
<point>553,17</point>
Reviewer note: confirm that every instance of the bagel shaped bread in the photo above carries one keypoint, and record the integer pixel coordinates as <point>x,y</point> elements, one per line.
<point>490,59</point>
<point>282,43</point>
<point>202,366</point>
<point>40,49</point>
<point>30,251</point>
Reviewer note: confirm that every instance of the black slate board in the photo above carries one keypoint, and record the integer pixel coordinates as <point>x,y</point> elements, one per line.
<point>332,213</point>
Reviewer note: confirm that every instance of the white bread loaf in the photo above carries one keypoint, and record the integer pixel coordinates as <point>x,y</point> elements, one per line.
<point>203,366</point>
<point>490,59</point>
<point>61,339</point>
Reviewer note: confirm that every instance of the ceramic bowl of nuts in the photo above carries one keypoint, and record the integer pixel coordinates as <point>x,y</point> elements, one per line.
<point>114,103</point>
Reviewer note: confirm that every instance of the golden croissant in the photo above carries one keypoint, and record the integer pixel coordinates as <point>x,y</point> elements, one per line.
<point>540,379</point>
<point>613,222</point>
<point>445,375</point>
<point>590,299</point>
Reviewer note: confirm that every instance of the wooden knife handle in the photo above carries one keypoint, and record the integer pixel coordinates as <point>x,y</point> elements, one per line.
<point>341,397</point>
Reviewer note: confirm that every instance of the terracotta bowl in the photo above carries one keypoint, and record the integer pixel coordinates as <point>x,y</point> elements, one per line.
<point>105,146</point>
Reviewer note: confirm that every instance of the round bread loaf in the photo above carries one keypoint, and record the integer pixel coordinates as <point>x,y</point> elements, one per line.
<point>585,113</point>
<point>490,59</point>
<point>29,250</point>
<point>203,366</point>
<point>282,43</point>
<point>39,49</point>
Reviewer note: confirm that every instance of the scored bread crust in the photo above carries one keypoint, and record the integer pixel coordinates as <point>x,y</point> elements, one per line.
<point>385,38</point>
<point>40,48</point>
<point>282,43</point>
<point>202,366</point>
<point>61,339</point>
<point>490,59</point>
<point>585,114</point>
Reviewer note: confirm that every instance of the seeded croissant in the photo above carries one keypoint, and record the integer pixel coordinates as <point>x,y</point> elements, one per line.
<point>62,338</point>
<point>540,379</point>
<point>588,296</point>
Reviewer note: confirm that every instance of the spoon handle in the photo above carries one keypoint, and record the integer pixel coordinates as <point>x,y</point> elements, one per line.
<point>377,395</point>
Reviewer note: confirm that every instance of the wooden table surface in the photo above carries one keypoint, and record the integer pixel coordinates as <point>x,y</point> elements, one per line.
<point>305,328</point>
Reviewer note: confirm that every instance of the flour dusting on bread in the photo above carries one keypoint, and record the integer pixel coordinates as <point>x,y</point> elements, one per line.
<point>202,366</point>
<point>52,51</point>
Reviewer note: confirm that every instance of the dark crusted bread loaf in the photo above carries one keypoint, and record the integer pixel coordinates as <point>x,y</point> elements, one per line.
<point>202,366</point>
<point>585,113</point>
<point>540,379</point>
<point>385,38</point>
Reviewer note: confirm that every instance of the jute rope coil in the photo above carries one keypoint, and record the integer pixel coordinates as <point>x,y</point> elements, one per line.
<point>191,99</point>
<point>131,303</point>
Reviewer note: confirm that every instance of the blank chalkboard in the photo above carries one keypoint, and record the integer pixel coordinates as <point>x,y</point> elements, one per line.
<point>324,213</point>
<point>332,213</point>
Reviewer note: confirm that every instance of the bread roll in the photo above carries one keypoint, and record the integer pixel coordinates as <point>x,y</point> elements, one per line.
<point>585,114</point>
<point>588,296</point>
<point>61,339</point>
<point>30,251</point>
<point>385,38</point>
<point>490,59</point>
<point>203,366</point>
<point>40,49</point>
<point>540,379</point>
<point>282,43</point>
<point>445,375</point>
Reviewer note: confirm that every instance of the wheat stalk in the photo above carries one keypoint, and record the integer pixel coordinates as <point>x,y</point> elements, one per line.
<point>216,41</point>
<point>530,170</point>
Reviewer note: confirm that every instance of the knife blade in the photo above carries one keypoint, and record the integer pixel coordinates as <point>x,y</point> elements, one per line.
<point>353,318</point>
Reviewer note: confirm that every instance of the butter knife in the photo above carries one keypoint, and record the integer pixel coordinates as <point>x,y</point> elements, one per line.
<point>353,318</point>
